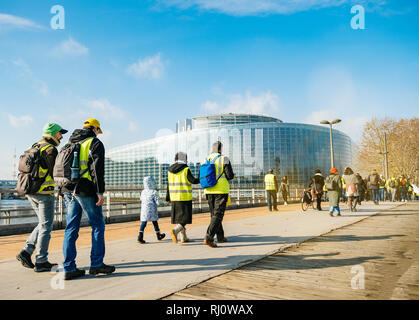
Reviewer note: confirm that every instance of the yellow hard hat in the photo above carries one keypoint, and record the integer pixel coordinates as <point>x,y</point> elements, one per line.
<point>92,123</point>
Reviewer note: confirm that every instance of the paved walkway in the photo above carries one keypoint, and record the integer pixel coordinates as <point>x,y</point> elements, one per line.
<point>158,269</point>
<point>383,249</point>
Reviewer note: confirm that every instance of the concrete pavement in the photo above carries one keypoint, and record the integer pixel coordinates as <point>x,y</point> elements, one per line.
<point>157,269</point>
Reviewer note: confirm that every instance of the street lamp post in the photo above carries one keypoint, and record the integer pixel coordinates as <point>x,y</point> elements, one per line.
<point>332,156</point>
<point>385,153</point>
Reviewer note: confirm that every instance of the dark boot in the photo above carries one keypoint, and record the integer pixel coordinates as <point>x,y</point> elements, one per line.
<point>160,236</point>
<point>25,259</point>
<point>102,269</point>
<point>140,237</point>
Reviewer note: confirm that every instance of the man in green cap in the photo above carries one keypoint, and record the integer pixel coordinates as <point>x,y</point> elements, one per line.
<point>43,201</point>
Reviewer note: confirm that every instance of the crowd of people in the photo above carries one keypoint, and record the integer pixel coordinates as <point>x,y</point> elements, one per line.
<point>349,188</point>
<point>78,172</point>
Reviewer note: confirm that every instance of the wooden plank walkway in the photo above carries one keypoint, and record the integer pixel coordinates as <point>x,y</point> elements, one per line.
<point>385,247</point>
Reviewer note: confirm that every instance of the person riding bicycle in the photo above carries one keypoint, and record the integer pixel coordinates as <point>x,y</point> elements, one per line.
<point>316,184</point>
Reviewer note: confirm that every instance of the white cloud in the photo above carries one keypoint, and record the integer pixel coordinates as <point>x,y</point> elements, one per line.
<point>264,103</point>
<point>352,126</point>
<point>149,67</point>
<point>26,72</point>
<point>11,21</point>
<point>104,109</point>
<point>19,121</point>
<point>265,7</point>
<point>70,47</point>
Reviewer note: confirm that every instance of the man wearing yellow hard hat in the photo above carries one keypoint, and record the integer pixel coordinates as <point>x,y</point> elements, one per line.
<point>86,195</point>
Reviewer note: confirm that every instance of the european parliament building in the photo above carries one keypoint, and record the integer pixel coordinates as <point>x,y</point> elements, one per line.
<point>254,144</point>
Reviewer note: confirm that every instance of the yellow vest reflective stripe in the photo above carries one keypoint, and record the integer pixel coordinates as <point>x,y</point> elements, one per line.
<point>270,182</point>
<point>343,183</point>
<point>49,182</point>
<point>180,189</point>
<point>222,186</point>
<point>84,158</point>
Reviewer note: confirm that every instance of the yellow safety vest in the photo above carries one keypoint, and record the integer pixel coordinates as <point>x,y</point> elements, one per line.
<point>180,189</point>
<point>49,182</point>
<point>343,183</point>
<point>222,186</point>
<point>84,158</point>
<point>270,182</point>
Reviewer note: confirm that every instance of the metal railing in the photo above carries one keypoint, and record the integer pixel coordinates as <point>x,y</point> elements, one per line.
<point>126,202</point>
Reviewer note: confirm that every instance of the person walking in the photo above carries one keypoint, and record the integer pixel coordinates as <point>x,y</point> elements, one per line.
<point>179,194</point>
<point>404,184</point>
<point>87,196</point>
<point>217,195</point>
<point>374,182</point>
<point>382,188</point>
<point>149,202</point>
<point>361,189</point>
<point>42,201</point>
<point>285,189</point>
<point>392,187</point>
<point>351,185</point>
<point>334,190</point>
<point>271,187</point>
<point>316,185</point>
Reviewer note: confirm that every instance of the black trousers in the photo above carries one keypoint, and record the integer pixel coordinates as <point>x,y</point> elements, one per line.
<point>217,205</point>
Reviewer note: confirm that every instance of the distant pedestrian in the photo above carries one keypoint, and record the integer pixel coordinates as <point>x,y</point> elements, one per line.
<point>285,189</point>
<point>334,189</point>
<point>149,202</point>
<point>361,189</point>
<point>271,187</point>
<point>373,183</point>
<point>42,201</point>
<point>351,185</point>
<point>87,196</point>
<point>382,188</point>
<point>217,195</point>
<point>316,185</point>
<point>179,194</point>
<point>404,185</point>
<point>392,185</point>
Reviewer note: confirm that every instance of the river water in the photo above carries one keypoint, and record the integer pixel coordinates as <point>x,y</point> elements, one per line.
<point>16,204</point>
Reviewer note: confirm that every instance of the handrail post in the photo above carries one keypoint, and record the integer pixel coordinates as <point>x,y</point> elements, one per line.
<point>253,196</point>
<point>200,199</point>
<point>238,197</point>
<point>108,206</point>
<point>61,211</point>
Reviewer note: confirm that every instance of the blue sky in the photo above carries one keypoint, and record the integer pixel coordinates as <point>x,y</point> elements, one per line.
<point>140,65</point>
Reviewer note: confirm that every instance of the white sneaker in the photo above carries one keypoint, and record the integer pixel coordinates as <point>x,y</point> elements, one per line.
<point>285,203</point>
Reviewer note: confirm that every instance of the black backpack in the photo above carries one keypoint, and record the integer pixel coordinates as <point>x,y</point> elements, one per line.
<point>28,180</point>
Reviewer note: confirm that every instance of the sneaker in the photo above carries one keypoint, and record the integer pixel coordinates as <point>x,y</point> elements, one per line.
<point>160,236</point>
<point>339,215</point>
<point>184,240</point>
<point>331,214</point>
<point>224,239</point>
<point>102,269</point>
<point>74,274</point>
<point>210,243</point>
<point>44,267</point>
<point>25,259</point>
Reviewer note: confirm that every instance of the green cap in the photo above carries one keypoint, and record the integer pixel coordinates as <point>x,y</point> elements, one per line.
<point>52,128</point>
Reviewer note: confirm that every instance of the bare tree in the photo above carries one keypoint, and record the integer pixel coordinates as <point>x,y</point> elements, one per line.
<point>402,147</point>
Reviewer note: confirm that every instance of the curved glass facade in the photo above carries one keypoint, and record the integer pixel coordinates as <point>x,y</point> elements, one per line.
<point>254,145</point>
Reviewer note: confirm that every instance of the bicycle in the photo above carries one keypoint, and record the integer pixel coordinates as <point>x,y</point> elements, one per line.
<point>306,200</point>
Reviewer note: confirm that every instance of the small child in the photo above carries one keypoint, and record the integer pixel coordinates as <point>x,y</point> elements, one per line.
<point>149,202</point>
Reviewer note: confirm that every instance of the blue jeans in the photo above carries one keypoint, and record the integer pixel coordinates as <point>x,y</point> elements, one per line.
<point>332,209</point>
<point>43,204</point>
<point>382,194</point>
<point>75,207</point>
<point>403,194</point>
<point>144,224</point>
<point>375,195</point>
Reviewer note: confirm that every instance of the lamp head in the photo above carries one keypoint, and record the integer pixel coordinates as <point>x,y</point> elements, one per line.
<point>324,122</point>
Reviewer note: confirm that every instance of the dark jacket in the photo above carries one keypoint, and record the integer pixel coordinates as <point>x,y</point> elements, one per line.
<point>181,211</point>
<point>96,165</point>
<point>317,183</point>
